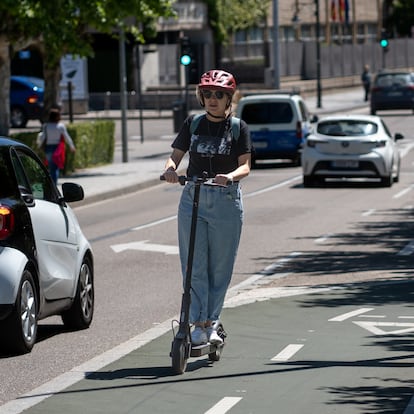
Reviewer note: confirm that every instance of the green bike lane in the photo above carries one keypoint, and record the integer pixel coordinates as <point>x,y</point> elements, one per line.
<point>315,350</point>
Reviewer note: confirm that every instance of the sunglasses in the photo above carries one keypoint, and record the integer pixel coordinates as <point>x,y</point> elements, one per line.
<point>209,94</point>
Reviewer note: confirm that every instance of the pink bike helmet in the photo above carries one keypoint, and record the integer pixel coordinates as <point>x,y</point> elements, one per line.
<point>218,79</point>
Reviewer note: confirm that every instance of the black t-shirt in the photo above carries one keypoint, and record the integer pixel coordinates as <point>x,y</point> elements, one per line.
<point>212,148</point>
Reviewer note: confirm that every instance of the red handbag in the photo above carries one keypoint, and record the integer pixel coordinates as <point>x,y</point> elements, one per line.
<point>59,155</point>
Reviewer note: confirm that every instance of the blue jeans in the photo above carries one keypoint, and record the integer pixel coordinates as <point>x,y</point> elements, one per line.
<point>219,224</point>
<point>53,169</point>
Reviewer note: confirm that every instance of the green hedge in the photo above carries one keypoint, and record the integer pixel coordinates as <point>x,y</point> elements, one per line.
<point>94,142</point>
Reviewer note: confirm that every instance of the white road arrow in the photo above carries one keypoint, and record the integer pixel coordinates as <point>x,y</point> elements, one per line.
<point>143,245</point>
<point>396,327</point>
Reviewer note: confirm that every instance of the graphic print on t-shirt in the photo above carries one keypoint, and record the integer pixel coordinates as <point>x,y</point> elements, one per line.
<point>207,146</point>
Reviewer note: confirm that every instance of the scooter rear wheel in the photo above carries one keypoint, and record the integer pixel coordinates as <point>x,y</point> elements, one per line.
<point>179,355</point>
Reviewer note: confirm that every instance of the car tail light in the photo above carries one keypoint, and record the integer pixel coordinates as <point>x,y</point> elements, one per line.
<point>6,222</point>
<point>299,134</point>
<point>32,99</point>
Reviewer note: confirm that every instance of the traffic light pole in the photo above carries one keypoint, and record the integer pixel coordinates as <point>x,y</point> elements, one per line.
<point>187,81</point>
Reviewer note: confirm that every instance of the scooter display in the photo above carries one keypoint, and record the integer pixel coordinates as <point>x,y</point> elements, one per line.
<point>181,347</point>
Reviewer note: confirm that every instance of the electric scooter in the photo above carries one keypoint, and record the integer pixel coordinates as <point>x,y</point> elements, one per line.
<point>181,347</point>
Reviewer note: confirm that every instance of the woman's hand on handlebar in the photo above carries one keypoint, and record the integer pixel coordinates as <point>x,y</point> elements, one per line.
<point>170,176</point>
<point>223,179</point>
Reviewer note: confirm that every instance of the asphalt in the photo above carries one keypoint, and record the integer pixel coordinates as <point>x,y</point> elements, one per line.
<point>139,166</point>
<point>146,356</point>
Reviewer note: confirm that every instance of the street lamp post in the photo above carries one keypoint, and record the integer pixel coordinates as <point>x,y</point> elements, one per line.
<point>318,58</point>
<point>276,72</point>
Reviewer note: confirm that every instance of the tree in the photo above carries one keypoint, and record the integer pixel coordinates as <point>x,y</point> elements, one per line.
<point>226,17</point>
<point>61,27</point>
<point>400,20</point>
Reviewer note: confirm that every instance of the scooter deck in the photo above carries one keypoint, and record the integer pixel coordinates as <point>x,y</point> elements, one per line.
<point>200,350</point>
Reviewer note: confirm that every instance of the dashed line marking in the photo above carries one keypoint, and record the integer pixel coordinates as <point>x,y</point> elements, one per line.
<point>369,212</point>
<point>323,239</point>
<point>287,352</point>
<point>224,405</point>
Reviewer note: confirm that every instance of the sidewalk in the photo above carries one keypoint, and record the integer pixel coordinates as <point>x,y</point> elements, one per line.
<point>145,161</point>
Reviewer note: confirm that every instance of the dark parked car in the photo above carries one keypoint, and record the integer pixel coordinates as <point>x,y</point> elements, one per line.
<point>26,100</point>
<point>392,90</point>
<point>46,263</point>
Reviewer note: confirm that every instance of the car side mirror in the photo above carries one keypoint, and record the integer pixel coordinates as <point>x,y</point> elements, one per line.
<point>314,118</point>
<point>398,136</point>
<point>72,192</point>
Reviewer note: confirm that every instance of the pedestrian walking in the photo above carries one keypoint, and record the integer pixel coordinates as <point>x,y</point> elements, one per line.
<point>366,81</point>
<point>222,152</point>
<point>52,138</point>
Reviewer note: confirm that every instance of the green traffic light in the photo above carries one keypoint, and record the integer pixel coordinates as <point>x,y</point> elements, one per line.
<point>384,43</point>
<point>185,60</point>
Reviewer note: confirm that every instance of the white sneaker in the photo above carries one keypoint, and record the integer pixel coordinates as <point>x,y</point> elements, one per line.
<point>213,336</point>
<point>198,336</point>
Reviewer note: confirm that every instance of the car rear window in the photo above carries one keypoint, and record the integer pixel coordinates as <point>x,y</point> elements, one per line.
<point>267,113</point>
<point>347,128</point>
<point>394,79</point>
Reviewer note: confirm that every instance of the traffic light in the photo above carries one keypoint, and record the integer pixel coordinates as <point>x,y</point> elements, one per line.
<point>185,55</point>
<point>384,41</point>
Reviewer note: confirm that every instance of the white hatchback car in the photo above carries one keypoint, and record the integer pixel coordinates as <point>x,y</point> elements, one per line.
<point>46,262</point>
<point>351,146</point>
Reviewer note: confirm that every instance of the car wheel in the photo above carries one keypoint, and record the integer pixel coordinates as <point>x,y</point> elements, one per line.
<point>21,325</point>
<point>308,181</point>
<point>79,315</point>
<point>18,118</point>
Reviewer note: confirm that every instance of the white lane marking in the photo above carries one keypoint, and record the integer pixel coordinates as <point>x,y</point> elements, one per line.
<point>374,327</point>
<point>410,407</point>
<point>155,223</point>
<point>287,352</point>
<point>407,250</point>
<point>372,316</point>
<point>224,405</point>
<point>348,315</point>
<point>144,246</point>
<point>323,239</point>
<point>369,212</point>
<point>406,317</point>
<point>272,268</point>
<point>273,187</point>
<point>403,192</point>
<point>406,149</point>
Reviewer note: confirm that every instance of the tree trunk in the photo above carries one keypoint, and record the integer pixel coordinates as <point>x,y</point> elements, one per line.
<point>4,92</point>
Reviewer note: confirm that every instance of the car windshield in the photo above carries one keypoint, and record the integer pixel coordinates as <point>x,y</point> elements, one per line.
<point>347,128</point>
<point>267,113</point>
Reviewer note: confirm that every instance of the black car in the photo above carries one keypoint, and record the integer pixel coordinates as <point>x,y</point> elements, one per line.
<point>26,99</point>
<point>392,90</point>
<point>46,263</point>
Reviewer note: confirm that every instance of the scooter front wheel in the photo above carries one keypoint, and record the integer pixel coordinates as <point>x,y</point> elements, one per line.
<point>179,355</point>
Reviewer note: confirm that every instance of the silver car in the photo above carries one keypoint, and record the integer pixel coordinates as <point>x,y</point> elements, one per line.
<point>46,263</point>
<point>351,146</point>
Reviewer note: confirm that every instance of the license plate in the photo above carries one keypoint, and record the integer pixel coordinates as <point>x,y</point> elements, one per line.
<point>260,144</point>
<point>345,164</point>
<point>394,93</point>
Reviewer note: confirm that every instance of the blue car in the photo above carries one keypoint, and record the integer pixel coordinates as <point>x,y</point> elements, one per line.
<point>26,100</point>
